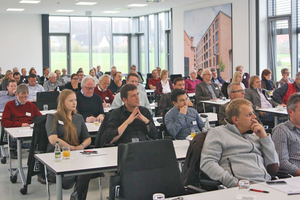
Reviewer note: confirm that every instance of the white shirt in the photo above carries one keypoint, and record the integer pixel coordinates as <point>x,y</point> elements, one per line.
<point>33,90</point>
<point>165,87</point>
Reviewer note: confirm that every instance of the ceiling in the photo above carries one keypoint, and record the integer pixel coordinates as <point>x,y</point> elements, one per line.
<point>50,7</point>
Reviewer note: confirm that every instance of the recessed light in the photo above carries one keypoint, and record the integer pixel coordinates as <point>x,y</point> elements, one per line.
<point>32,2</point>
<point>86,3</point>
<point>64,10</point>
<point>15,9</point>
<point>111,12</point>
<point>137,5</point>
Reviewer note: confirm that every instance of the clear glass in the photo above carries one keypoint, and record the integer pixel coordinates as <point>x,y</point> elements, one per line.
<point>66,152</point>
<point>244,184</point>
<point>120,25</point>
<point>162,40</point>
<point>120,47</point>
<point>45,106</point>
<point>158,196</point>
<point>59,24</point>
<point>151,43</point>
<point>58,52</point>
<point>101,39</point>
<point>80,44</point>
<point>142,24</point>
<point>135,140</point>
<point>96,122</point>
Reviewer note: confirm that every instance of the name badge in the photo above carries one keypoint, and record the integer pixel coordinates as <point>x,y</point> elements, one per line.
<point>28,114</point>
<point>61,122</point>
<point>107,98</point>
<point>216,88</point>
<point>194,123</point>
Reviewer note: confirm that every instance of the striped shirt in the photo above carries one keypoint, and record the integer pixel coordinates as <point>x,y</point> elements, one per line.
<point>211,90</point>
<point>286,137</point>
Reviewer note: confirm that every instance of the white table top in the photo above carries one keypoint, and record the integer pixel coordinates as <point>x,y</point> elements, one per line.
<point>26,132</point>
<point>44,112</point>
<point>150,91</point>
<point>191,94</point>
<point>232,193</point>
<point>216,102</point>
<point>106,159</point>
<point>274,110</point>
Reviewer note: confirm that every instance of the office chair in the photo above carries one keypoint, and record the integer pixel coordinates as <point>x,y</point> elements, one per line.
<point>49,98</point>
<point>3,141</point>
<point>173,76</point>
<point>146,168</point>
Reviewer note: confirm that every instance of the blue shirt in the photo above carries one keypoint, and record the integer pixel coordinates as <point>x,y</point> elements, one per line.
<point>180,125</point>
<point>4,98</point>
<point>33,90</point>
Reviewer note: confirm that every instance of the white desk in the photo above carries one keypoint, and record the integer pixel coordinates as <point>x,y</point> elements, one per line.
<point>218,102</point>
<point>274,111</point>
<point>82,164</point>
<point>150,91</point>
<point>232,193</point>
<point>191,94</point>
<point>44,112</point>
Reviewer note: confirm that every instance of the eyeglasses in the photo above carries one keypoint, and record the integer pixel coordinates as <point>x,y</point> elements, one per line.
<point>76,79</point>
<point>207,74</point>
<point>237,91</point>
<point>89,88</point>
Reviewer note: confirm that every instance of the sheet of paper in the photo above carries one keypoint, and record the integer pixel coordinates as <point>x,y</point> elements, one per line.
<point>292,186</point>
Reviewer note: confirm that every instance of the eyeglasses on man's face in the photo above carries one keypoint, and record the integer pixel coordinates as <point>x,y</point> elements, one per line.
<point>237,91</point>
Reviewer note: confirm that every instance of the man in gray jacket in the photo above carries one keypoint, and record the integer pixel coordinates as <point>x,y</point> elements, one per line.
<point>231,154</point>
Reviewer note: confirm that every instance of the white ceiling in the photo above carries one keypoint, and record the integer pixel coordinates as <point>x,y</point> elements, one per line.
<point>50,7</point>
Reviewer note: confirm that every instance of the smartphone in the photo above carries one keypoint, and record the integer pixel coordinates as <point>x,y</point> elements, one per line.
<point>276,182</point>
<point>89,152</point>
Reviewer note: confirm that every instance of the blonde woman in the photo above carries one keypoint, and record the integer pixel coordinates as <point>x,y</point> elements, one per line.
<point>69,129</point>
<point>8,76</point>
<point>164,86</point>
<point>237,78</point>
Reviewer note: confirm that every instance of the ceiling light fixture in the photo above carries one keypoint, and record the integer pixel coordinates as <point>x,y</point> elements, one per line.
<point>64,10</point>
<point>31,2</point>
<point>155,1</point>
<point>15,9</point>
<point>111,12</point>
<point>137,5</point>
<point>86,3</point>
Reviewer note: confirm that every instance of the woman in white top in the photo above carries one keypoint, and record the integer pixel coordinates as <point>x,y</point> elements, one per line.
<point>237,78</point>
<point>93,74</point>
<point>164,86</point>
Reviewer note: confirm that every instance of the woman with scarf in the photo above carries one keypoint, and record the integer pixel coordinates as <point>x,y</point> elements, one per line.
<point>266,81</point>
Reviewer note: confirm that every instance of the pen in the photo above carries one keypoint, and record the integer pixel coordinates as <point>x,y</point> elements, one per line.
<point>262,191</point>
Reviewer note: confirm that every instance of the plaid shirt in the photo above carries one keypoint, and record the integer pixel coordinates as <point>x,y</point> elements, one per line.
<point>165,103</point>
<point>286,137</point>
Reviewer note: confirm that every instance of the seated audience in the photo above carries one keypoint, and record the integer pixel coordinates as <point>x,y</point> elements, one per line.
<point>165,102</point>
<point>181,119</point>
<point>132,78</point>
<point>74,85</point>
<point>15,69</point>
<point>59,78</point>
<point>69,129</point>
<point>92,73</point>
<point>80,75</point>
<point>158,70</point>
<point>65,76</point>
<point>24,76</point>
<point>130,120</point>
<point>237,78</point>
<point>44,78</point>
<point>102,90</point>
<point>215,78</point>
<point>285,77</point>
<point>9,95</point>
<point>33,71</point>
<point>17,77</point>
<point>19,113</point>
<point>260,99</point>
<point>52,83</point>
<point>190,83</point>
<point>282,94</point>
<point>164,86</point>
<point>266,82</point>
<point>8,76</point>
<point>246,76</point>
<point>99,72</point>
<point>206,90</point>
<point>33,87</point>
<point>287,139</point>
<point>113,71</point>
<point>116,83</point>
<point>231,154</point>
<point>89,105</point>
<point>133,68</point>
<point>199,74</point>
<point>154,80</point>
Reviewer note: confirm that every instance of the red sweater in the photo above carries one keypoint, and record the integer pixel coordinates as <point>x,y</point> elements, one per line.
<point>15,116</point>
<point>291,90</point>
<point>107,95</point>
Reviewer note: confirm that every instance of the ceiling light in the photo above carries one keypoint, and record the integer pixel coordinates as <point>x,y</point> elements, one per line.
<point>111,12</point>
<point>137,5</point>
<point>64,10</point>
<point>86,3</point>
<point>155,1</point>
<point>32,2</point>
<point>15,9</point>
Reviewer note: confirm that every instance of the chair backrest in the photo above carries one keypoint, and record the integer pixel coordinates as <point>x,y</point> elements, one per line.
<point>101,138</point>
<point>49,98</point>
<point>148,167</point>
<point>224,89</point>
<point>173,76</point>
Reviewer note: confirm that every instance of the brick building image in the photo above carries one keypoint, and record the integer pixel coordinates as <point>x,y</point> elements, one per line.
<point>208,42</point>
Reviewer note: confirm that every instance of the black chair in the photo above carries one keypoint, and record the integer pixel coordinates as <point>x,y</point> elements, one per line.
<point>224,89</point>
<point>102,140</point>
<point>173,76</point>
<point>3,141</point>
<point>49,98</point>
<point>146,168</point>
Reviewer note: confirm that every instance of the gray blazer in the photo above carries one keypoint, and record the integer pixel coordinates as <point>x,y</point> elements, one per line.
<point>252,95</point>
<point>203,93</point>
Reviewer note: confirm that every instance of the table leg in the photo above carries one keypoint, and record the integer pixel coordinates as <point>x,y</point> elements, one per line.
<point>9,157</point>
<point>214,109</point>
<point>20,167</point>
<point>275,120</point>
<point>58,187</point>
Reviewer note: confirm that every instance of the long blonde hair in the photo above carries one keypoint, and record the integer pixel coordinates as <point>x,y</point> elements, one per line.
<point>7,74</point>
<point>70,135</point>
<point>235,75</point>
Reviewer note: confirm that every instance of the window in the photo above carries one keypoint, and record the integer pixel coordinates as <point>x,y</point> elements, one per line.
<point>142,24</point>
<point>217,24</point>
<point>209,52</point>
<point>120,25</point>
<point>162,41</point>
<point>209,43</point>
<point>217,48</point>
<point>59,24</point>
<point>213,38</point>
<point>151,43</point>
<point>209,33</point>
<point>217,36</point>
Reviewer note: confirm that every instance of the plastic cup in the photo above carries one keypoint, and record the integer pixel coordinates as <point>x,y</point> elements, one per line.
<point>45,106</point>
<point>66,152</point>
<point>158,196</point>
<point>244,184</point>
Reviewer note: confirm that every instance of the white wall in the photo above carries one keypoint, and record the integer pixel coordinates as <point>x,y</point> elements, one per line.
<point>240,32</point>
<point>21,42</point>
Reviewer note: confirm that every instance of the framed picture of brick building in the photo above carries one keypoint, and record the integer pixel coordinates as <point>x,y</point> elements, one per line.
<point>208,40</point>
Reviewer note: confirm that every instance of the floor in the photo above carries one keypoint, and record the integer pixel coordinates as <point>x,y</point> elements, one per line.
<point>37,191</point>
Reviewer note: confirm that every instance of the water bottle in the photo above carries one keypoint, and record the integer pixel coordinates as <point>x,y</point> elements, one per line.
<point>206,125</point>
<point>57,152</point>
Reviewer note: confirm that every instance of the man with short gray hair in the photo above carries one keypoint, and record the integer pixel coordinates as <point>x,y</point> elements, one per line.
<point>52,83</point>
<point>102,90</point>
<point>286,137</point>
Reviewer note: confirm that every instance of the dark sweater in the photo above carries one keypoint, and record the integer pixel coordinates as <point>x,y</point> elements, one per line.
<point>89,106</point>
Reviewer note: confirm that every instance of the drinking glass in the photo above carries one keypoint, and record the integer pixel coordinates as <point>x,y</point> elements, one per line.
<point>244,184</point>
<point>135,139</point>
<point>96,122</point>
<point>66,152</point>
<point>193,133</point>
<point>158,196</point>
<point>45,107</point>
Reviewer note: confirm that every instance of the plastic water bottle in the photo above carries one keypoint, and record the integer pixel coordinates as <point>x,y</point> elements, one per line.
<point>57,152</point>
<point>206,125</point>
